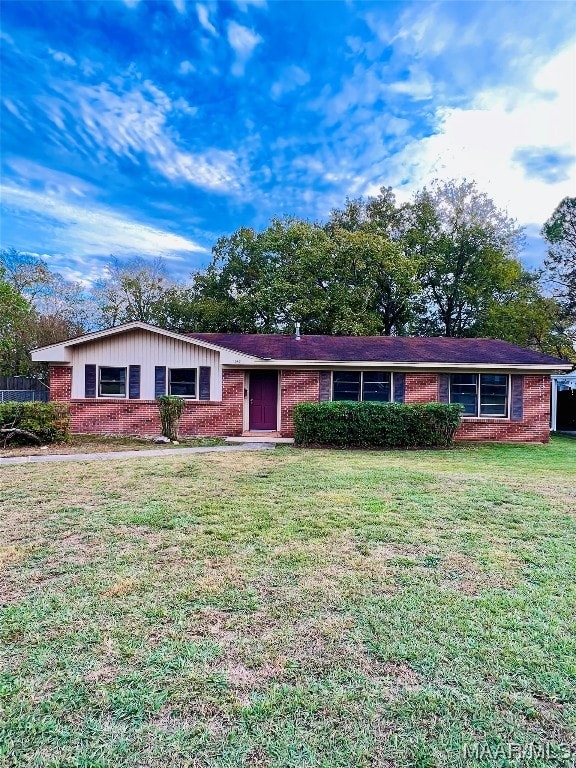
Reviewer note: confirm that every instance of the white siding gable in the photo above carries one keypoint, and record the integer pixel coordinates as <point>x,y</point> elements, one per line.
<point>146,349</point>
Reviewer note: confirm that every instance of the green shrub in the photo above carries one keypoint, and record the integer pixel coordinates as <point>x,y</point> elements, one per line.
<point>376,425</point>
<point>171,409</point>
<point>49,422</point>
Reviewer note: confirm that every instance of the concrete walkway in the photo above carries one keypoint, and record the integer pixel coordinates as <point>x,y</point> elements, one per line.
<point>135,454</point>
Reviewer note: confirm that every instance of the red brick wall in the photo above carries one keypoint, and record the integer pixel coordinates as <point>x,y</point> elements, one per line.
<point>534,427</point>
<point>296,387</point>
<point>60,382</point>
<point>421,388</point>
<point>140,417</point>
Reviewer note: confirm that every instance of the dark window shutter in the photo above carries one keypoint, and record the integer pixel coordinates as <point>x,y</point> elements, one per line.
<point>399,387</point>
<point>134,382</point>
<point>444,388</point>
<point>159,380</point>
<point>325,382</point>
<point>517,398</point>
<point>204,383</point>
<point>89,381</point>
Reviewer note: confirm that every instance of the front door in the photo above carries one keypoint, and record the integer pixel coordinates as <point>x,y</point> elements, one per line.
<point>263,400</point>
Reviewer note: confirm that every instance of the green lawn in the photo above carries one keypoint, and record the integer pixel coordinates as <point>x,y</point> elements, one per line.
<point>291,608</point>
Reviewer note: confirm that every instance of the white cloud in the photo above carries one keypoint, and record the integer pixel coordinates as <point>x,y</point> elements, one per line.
<point>418,85</point>
<point>186,67</point>
<point>245,5</point>
<point>482,142</point>
<point>90,230</point>
<point>62,58</point>
<point>180,5</point>
<point>292,78</point>
<point>204,19</point>
<point>243,41</point>
<point>134,123</point>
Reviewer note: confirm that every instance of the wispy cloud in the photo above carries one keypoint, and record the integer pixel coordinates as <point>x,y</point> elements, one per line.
<point>92,230</point>
<point>243,41</point>
<point>62,57</point>
<point>245,5</point>
<point>133,122</point>
<point>204,19</point>
<point>292,78</point>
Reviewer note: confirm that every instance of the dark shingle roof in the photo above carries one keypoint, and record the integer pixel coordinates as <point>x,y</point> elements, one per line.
<point>393,349</point>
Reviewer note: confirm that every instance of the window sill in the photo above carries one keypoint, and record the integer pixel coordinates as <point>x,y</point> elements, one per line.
<point>497,419</point>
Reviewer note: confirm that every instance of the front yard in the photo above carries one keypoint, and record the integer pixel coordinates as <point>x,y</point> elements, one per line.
<point>291,609</point>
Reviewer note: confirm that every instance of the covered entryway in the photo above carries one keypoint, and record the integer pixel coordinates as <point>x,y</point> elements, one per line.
<point>564,403</point>
<point>263,401</point>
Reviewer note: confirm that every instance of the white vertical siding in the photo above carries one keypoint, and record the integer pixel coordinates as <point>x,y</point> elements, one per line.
<point>147,350</point>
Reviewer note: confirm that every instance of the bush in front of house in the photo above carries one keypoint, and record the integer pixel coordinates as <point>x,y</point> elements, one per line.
<point>345,424</point>
<point>171,408</point>
<point>34,422</point>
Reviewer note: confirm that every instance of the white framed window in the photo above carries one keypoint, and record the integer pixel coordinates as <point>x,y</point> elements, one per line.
<point>481,394</point>
<point>374,386</point>
<point>111,381</point>
<point>183,382</point>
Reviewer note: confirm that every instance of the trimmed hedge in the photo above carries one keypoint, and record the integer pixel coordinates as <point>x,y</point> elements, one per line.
<point>376,425</point>
<point>49,422</point>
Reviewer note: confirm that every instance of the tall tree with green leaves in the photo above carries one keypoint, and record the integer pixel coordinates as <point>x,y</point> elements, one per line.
<point>465,247</point>
<point>560,263</point>
<point>524,316</point>
<point>16,320</point>
<point>333,279</point>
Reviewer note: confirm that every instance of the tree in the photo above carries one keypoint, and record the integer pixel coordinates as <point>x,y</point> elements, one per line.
<point>41,308</point>
<point>465,247</point>
<point>332,279</point>
<point>134,289</point>
<point>560,263</point>
<point>16,317</point>
<point>61,308</point>
<point>525,317</point>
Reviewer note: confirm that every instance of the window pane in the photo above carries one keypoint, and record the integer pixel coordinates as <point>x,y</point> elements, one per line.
<point>376,386</point>
<point>463,390</point>
<point>183,382</point>
<point>346,385</point>
<point>493,394</point>
<point>112,382</point>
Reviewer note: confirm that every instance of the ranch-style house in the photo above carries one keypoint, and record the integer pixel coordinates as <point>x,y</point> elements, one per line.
<point>238,384</point>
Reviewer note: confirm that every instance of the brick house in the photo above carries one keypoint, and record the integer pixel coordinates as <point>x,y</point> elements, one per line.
<point>238,384</point>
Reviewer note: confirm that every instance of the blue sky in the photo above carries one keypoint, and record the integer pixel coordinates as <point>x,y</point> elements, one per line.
<point>152,128</point>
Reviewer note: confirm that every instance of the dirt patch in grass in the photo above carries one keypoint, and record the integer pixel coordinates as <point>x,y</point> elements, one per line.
<point>106,444</point>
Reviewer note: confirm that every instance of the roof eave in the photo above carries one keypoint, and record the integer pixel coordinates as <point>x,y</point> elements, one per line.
<point>528,367</point>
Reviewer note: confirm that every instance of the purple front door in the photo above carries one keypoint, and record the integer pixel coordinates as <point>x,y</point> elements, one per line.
<point>263,400</point>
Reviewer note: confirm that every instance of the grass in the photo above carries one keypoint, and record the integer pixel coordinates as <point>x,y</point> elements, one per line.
<point>105,444</point>
<point>290,608</point>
